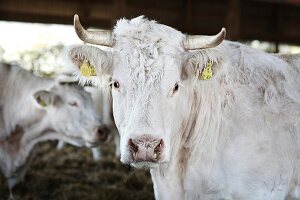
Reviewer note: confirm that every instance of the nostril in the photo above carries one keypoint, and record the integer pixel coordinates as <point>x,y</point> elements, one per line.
<point>103,133</point>
<point>133,147</point>
<point>158,148</point>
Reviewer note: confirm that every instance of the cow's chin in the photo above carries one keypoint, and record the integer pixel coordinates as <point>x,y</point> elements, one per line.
<point>82,143</point>
<point>91,144</point>
<point>145,165</point>
<point>74,141</point>
<point>79,142</point>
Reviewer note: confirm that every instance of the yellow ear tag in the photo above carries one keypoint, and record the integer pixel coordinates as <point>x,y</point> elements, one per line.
<point>207,72</point>
<point>42,102</point>
<point>87,70</point>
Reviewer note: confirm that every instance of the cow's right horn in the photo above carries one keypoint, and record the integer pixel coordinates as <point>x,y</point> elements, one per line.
<point>93,37</point>
<point>204,41</point>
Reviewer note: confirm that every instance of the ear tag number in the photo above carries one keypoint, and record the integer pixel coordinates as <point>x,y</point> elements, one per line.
<point>207,72</point>
<point>87,70</point>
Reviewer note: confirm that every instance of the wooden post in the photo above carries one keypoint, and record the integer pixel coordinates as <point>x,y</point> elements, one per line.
<point>233,20</point>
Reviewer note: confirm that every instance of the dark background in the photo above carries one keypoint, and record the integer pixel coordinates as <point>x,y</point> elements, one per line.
<point>267,20</point>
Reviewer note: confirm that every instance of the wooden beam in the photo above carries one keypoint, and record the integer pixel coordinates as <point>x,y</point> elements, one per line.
<point>244,19</point>
<point>49,11</point>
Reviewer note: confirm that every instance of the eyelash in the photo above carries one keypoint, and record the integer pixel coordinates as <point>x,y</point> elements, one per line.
<point>74,104</point>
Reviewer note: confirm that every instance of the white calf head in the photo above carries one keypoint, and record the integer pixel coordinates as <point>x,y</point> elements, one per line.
<point>148,80</point>
<point>71,112</point>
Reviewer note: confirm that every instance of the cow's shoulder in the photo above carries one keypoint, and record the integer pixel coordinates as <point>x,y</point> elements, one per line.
<point>291,59</point>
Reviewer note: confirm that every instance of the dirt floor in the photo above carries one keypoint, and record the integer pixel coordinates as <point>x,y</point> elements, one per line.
<point>71,173</point>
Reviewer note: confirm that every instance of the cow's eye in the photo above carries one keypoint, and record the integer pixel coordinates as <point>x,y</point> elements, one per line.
<point>176,87</point>
<point>116,84</point>
<point>73,103</point>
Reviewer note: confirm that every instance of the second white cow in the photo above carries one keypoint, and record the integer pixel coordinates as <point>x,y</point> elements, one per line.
<point>35,109</point>
<point>103,106</point>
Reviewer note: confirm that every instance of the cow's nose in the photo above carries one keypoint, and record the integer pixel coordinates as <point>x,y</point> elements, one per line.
<point>145,148</point>
<point>103,133</point>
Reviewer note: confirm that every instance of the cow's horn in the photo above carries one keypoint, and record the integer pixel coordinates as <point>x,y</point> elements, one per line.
<point>204,41</point>
<point>93,37</point>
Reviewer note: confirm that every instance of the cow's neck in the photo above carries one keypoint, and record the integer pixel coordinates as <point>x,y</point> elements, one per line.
<point>198,139</point>
<point>203,131</point>
<point>35,133</point>
<point>21,141</point>
<point>200,136</point>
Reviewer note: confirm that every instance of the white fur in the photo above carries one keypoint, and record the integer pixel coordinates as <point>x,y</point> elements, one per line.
<point>58,120</point>
<point>235,136</point>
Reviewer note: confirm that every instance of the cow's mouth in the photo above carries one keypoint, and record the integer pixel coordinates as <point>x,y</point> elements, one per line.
<point>145,165</point>
<point>92,144</point>
<point>78,141</point>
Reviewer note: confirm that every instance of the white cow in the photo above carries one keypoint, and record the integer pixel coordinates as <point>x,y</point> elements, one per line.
<point>35,109</point>
<point>211,119</point>
<point>103,106</point>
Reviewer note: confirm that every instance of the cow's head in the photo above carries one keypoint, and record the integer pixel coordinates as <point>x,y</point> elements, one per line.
<point>150,69</point>
<point>71,113</point>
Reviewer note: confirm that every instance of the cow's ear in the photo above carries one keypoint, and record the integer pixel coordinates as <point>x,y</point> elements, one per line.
<point>44,98</point>
<point>203,65</point>
<point>90,64</point>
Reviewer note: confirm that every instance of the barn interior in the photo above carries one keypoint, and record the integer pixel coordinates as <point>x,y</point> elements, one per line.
<point>266,20</point>
<point>71,173</point>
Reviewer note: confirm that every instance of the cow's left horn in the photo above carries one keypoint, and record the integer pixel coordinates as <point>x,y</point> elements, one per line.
<point>93,37</point>
<point>203,41</point>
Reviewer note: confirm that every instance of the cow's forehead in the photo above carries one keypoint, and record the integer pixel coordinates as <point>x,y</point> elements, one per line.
<point>143,71</point>
<point>145,51</point>
<point>146,34</point>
